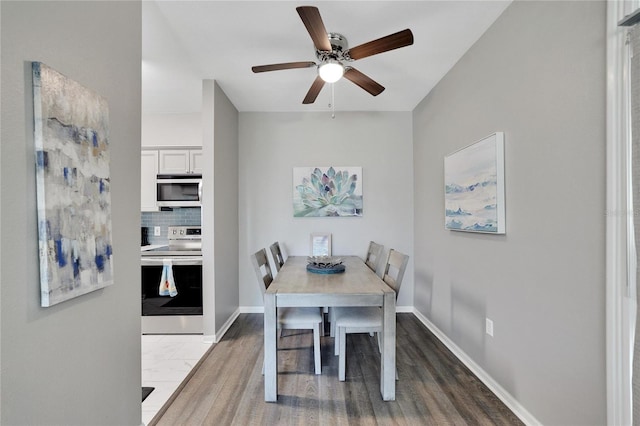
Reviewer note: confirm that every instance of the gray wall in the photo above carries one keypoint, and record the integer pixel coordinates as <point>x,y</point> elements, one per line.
<point>78,362</point>
<point>225,160</point>
<point>272,144</point>
<point>219,209</point>
<point>538,74</point>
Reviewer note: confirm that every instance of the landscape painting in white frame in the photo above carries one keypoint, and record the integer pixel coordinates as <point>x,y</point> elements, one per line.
<point>73,186</point>
<point>327,191</point>
<point>474,187</point>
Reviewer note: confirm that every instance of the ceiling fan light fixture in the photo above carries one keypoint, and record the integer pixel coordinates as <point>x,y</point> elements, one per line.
<point>331,71</point>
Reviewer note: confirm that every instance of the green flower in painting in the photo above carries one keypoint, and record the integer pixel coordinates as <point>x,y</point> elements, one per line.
<point>329,194</point>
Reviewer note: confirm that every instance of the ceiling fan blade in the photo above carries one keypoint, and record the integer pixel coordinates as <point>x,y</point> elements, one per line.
<point>314,91</point>
<point>363,81</point>
<point>310,16</point>
<point>284,66</point>
<point>394,41</point>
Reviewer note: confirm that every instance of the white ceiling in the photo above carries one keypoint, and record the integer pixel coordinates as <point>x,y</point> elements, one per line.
<point>184,42</point>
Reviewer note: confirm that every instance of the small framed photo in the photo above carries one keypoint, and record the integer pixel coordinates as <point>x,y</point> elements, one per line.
<point>320,244</point>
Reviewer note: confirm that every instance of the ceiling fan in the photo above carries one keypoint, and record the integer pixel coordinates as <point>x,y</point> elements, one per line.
<point>332,51</point>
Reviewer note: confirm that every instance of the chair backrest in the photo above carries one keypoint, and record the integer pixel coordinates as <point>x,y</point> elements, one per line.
<point>260,263</point>
<point>373,256</point>
<point>276,253</point>
<point>396,263</point>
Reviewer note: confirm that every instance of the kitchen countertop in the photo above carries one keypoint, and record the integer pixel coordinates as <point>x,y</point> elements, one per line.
<point>152,246</point>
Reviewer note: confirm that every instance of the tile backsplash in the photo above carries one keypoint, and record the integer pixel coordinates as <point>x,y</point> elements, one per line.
<point>164,219</point>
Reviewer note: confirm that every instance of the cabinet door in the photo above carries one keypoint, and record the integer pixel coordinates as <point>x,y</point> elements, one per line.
<point>148,172</point>
<point>195,161</point>
<point>174,161</point>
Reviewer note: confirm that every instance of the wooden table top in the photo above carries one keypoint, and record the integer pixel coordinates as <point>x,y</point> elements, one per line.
<point>357,278</point>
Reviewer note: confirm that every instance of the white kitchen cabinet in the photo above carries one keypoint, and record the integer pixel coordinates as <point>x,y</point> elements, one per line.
<point>180,161</point>
<point>195,161</point>
<point>148,172</point>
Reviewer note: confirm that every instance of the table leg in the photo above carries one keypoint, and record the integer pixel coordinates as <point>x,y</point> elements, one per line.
<point>270,349</point>
<point>388,367</point>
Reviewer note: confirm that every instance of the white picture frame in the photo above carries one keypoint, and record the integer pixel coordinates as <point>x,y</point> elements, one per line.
<point>320,244</point>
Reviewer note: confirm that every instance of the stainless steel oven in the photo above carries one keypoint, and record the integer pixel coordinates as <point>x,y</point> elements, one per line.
<point>181,311</point>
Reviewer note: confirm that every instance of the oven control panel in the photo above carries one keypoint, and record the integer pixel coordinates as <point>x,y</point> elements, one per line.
<point>184,233</point>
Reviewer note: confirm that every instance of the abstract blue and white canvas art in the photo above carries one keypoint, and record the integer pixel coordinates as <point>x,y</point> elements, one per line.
<point>327,191</point>
<point>73,186</point>
<point>474,187</point>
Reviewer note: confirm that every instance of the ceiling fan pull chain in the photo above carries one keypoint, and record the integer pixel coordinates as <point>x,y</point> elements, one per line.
<point>333,102</point>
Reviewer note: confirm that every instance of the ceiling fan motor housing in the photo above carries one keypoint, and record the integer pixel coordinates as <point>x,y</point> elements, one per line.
<point>339,49</point>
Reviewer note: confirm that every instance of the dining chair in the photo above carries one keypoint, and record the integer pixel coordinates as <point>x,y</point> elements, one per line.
<point>366,319</point>
<point>290,318</point>
<point>371,260</point>
<point>276,253</point>
<point>373,256</point>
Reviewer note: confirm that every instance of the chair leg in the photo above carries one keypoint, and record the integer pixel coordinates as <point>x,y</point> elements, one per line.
<point>342,336</point>
<point>332,324</point>
<point>316,348</point>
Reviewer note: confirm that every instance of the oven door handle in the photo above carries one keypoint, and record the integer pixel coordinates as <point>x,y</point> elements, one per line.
<point>175,261</point>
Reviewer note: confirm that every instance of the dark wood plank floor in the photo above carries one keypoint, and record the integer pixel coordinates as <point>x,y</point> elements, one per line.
<point>434,388</point>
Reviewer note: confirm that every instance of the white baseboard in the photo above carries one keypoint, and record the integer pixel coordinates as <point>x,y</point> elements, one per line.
<point>508,399</point>
<point>225,327</point>
<point>251,309</point>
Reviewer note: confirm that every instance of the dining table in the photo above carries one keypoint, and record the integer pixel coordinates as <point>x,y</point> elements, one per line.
<point>357,285</point>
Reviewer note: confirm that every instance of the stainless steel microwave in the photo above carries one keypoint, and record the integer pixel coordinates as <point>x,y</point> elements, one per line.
<point>179,190</point>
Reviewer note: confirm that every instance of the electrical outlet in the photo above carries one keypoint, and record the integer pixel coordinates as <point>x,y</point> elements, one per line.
<point>489,326</point>
<point>156,231</point>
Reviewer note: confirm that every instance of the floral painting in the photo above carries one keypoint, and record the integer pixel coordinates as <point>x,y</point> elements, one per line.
<point>474,187</point>
<point>73,186</point>
<point>327,191</point>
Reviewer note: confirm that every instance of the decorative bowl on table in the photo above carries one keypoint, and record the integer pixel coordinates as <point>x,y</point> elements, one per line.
<point>324,265</point>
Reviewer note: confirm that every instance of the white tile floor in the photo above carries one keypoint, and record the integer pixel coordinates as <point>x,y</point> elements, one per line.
<point>166,361</point>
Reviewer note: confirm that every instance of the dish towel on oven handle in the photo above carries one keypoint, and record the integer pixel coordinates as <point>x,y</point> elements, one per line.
<point>167,283</point>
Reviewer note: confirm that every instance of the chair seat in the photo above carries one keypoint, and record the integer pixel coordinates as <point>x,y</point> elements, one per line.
<point>358,317</point>
<point>291,316</point>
